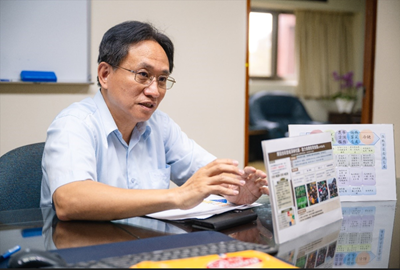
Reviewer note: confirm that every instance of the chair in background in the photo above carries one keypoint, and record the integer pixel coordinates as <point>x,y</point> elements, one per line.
<point>21,177</point>
<point>270,114</point>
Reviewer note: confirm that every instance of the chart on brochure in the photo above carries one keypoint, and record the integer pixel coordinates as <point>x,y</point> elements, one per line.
<point>302,182</point>
<point>364,159</point>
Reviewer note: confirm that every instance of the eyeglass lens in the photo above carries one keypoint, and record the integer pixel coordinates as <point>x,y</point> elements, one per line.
<point>163,81</point>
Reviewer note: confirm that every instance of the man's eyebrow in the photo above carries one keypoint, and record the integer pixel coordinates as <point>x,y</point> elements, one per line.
<point>150,67</point>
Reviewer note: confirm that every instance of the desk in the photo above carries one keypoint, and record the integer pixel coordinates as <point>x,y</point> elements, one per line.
<point>40,229</point>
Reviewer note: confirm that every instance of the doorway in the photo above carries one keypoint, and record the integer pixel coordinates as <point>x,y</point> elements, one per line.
<point>368,72</point>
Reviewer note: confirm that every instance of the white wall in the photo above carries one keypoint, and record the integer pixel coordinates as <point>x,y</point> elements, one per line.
<point>387,70</point>
<point>208,101</point>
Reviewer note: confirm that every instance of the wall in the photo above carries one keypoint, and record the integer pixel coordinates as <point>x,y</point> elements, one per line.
<point>317,109</point>
<point>208,99</point>
<point>387,70</point>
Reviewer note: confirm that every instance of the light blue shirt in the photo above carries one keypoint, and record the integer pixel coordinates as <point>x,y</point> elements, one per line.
<point>83,142</point>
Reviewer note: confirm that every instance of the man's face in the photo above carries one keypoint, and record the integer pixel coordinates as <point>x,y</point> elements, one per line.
<point>129,101</point>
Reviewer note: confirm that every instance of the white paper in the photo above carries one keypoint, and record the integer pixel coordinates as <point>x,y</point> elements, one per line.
<point>302,183</point>
<point>210,206</point>
<point>364,159</point>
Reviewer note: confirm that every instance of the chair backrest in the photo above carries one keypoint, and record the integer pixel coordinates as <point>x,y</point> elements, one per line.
<point>21,177</point>
<point>277,107</point>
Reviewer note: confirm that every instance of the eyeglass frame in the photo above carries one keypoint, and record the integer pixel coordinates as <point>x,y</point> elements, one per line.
<point>151,78</point>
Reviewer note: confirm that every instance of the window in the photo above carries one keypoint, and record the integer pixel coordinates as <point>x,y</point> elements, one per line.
<point>272,45</point>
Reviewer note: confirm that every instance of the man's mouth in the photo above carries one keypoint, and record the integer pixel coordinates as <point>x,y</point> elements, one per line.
<point>147,104</point>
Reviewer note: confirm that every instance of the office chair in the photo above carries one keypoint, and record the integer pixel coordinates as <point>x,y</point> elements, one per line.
<point>272,112</point>
<point>21,177</point>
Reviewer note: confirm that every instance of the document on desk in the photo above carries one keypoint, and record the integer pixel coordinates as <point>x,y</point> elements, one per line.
<point>302,184</point>
<point>364,159</point>
<point>210,206</point>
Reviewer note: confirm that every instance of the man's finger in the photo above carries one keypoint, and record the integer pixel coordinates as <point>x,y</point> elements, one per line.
<point>220,166</point>
<point>264,190</point>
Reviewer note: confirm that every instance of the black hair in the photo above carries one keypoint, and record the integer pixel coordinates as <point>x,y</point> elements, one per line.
<point>114,46</point>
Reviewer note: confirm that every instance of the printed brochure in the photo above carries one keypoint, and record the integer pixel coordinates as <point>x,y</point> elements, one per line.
<point>302,182</point>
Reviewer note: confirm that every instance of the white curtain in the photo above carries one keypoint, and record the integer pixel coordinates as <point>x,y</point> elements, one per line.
<point>324,44</point>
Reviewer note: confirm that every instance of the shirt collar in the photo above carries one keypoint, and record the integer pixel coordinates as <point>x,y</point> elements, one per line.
<point>109,124</point>
<point>108,120</point>
<point>144,129</point>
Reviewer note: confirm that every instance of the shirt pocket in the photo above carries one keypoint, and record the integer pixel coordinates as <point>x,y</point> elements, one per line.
<point>159,179</point>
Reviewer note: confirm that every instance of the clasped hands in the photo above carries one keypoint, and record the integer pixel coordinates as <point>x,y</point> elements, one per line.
<point>223,177</point>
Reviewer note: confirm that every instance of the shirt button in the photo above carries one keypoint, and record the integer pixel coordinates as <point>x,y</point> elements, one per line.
<point>132,180</point>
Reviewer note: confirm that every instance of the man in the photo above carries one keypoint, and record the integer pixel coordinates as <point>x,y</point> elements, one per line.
<point>112,156</point>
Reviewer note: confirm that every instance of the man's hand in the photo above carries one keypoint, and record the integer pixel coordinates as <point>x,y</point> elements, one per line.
<point>222,176</point>
<point>256,185</point>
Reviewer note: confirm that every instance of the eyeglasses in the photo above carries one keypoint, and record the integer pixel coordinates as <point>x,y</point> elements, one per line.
<point>143,77</point>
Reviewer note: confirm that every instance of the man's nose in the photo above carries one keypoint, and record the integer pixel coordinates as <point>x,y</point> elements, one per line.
<point>152,89</point>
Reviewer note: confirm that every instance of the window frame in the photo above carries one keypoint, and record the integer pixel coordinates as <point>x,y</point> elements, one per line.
<point>274,44</point>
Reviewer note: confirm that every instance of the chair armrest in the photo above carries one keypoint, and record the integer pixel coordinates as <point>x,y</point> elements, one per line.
<point>265,124</point>
<point>274,129</point>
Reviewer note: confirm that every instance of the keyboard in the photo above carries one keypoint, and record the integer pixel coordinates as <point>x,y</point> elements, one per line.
<point>127,261</point>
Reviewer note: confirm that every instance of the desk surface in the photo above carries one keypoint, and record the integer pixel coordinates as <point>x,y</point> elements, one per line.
<point>374,242</point>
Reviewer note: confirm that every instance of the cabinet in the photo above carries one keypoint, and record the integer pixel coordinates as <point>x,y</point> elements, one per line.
<point>344,118</point>
<point>255,139</point>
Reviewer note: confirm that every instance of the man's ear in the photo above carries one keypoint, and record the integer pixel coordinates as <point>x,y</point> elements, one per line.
<point>103,71</point>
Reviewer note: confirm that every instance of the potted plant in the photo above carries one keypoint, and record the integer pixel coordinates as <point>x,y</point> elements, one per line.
<point>347,94</point>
